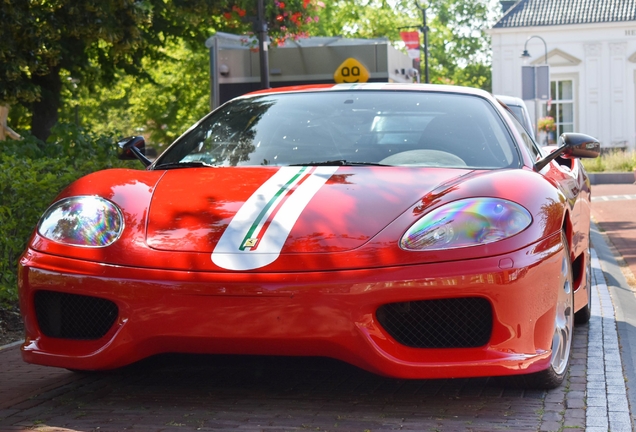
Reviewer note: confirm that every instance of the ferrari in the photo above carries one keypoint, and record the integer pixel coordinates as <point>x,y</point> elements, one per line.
<point>412,230</point>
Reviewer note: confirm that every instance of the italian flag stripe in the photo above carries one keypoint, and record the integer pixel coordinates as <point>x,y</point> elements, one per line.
<point>258,232</point>
<point>279,205</point>
<point>287,187</point>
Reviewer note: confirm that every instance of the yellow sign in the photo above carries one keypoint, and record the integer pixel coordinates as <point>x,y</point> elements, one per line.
<point>351,71</point>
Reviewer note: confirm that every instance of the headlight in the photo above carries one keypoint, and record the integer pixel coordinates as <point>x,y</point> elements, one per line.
<point>87,221</point>
<point>467,222</point>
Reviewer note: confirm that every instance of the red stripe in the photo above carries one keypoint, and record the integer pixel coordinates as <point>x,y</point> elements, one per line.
<point>278,206</point>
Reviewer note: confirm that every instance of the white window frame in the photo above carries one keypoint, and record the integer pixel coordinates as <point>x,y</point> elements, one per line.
<point>555,78</point>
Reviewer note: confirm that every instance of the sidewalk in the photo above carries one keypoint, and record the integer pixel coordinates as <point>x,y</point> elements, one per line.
<point>614,211</point>
<point>607,403</point>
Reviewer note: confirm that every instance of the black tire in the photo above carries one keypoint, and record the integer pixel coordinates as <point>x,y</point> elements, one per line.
<point>553,376</point>
<point>583,315</point>
<point>83,372</point>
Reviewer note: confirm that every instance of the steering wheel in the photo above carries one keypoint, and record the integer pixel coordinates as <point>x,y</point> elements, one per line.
<point>435,158</point>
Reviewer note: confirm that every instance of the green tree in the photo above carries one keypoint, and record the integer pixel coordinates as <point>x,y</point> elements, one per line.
<point>458,46</point>
<point>161,106</point>
<point>47,40</point>
<point>365,18</point>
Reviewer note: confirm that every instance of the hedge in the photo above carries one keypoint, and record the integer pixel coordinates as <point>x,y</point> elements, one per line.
<point>32,173</point>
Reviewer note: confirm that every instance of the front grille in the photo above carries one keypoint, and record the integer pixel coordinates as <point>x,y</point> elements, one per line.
<point>444,323</point>
<point>72,316</point>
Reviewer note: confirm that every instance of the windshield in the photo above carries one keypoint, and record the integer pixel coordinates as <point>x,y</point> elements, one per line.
<point>399,128</point>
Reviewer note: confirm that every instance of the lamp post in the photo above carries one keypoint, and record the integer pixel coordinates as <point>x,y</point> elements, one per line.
<point>261,32</point>
<point>526,54</point>
<point>540,78</point>
<point>424,30</point>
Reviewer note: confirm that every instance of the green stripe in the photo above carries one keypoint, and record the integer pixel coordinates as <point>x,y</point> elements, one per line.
<point>269,204</point>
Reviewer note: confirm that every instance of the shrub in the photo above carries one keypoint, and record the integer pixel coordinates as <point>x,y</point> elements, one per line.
<point>615,161</point>
<point>32,173</point>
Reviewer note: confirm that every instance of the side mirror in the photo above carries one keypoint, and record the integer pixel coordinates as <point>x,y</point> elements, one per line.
<point>579,145</point>
<point>133,148</point>
<point>572,145</point>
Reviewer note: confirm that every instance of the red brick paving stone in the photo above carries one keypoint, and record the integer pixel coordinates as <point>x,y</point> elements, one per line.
<point>617,218</point>
<point>20,381</point>
<point>160,396</point>
<point>250,404</point>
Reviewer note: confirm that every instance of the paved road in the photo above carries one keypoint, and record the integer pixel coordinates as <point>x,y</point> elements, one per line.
<point>273,394</point>
<point>614,209</point>
<point>183,393</point>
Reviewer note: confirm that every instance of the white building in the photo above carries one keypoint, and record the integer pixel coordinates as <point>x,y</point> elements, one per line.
<point>591,50</point>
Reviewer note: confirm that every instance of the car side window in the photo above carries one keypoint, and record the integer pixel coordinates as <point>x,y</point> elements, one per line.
<point>527,140</point>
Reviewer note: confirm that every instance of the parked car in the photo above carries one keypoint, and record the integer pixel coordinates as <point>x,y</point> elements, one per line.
<point>518,108</point>
<point>411,230</point>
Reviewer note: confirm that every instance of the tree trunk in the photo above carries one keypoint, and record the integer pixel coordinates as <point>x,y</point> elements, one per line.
<point>5,130</point>
<point>45,110</point>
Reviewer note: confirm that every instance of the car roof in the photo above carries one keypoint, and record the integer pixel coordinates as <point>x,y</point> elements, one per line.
<point>374,86</point>
<point>510,100</point>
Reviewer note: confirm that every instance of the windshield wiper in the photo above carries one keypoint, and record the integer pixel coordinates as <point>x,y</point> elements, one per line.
<point>190,164</point>
<point>340,162</point>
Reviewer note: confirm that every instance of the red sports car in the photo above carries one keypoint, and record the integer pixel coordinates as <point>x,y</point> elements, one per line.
<point>415,231</point>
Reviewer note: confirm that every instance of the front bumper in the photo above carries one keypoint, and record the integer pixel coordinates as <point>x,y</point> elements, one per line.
<point>331,314</point>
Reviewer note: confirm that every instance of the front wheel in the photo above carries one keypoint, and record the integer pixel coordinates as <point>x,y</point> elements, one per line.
<point>553,376</point>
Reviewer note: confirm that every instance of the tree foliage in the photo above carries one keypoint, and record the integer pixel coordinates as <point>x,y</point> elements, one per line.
<point>94,42</point>
<point>161,106</point>
<point>31,175</point>
<point>365,18</point>
<point>458,47</point>
<point>140,66</point>
<point>460,50</point>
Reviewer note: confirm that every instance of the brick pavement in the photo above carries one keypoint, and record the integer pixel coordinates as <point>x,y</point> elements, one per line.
<point>270,394</point>
<point>607,404</point>
<point>277,394</point>
<point>614,210</point>
<point>18,382</point>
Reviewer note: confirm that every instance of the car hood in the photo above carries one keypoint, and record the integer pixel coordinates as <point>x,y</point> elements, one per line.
<point>247,217</point>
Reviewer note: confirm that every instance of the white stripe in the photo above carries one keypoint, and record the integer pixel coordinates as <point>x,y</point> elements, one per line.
<point>227,255</point>
<point>274,205</point>
<point>277,233</point>
<point>241,223</point>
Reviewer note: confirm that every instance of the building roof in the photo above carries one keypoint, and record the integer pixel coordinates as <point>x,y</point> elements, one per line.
<point>527,13</point>
<point>232,41</point>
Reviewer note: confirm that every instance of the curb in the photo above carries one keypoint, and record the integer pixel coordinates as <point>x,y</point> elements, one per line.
<point>614,309</point>
<point>11,345</point>
<point>612,178</point>
<point>607,401</point>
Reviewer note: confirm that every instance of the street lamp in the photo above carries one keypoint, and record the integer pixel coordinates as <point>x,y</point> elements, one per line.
<point>261,31</point>
<point>425,31</point>
<point>526,55</point>
<point>535,80</point>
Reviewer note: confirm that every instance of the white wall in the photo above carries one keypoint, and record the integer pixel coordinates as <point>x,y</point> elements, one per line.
<point>599,58</point>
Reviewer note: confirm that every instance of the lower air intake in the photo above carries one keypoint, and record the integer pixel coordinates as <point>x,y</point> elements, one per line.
<point>443,323</point>
<point>72,316</point>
